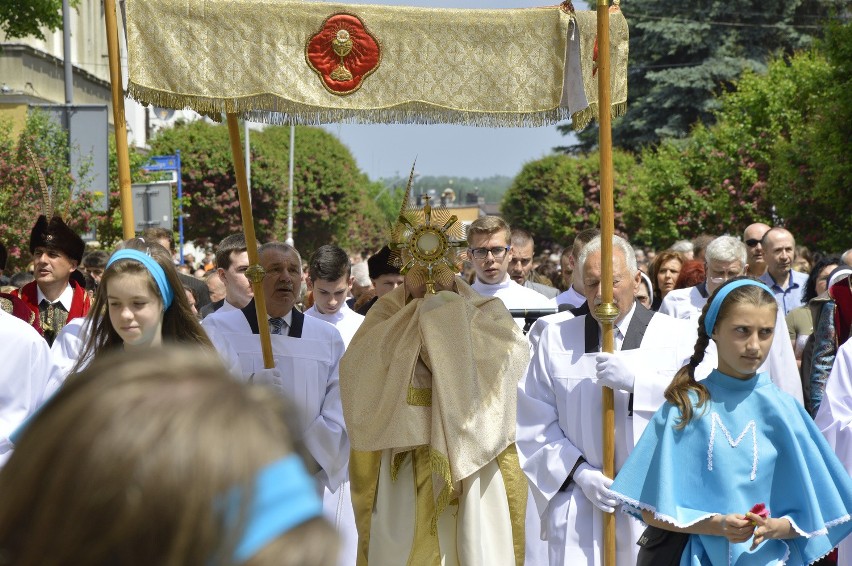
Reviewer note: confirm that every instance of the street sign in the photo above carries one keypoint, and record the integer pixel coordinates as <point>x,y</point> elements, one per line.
<point>162,163</point>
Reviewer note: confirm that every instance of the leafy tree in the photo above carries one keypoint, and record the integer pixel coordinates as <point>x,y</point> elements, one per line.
<point>778,154</point>
<point>683,54</point>
<point>559,195</point>
<point>21,199</point>
<point>330,193</point>
<point>25,18</point>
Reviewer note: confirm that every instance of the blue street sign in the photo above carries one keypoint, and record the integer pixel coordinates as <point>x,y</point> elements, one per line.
<point>162,163</point>
<point>171,163</point>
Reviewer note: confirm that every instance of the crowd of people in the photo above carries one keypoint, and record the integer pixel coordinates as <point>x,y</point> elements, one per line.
<point>412,420</point>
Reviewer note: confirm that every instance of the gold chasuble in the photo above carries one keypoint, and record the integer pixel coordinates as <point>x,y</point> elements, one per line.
<point>285,61</point>
<point>430,385</point>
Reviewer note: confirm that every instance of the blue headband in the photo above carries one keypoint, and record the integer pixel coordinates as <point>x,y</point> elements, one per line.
<point>285,496</point>
<point>154,268</point>
<point>713,311</point>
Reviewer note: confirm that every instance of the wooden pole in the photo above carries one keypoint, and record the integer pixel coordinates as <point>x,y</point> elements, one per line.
<point>119,121</point>
<point>606,312</point>
<point>255,272</point>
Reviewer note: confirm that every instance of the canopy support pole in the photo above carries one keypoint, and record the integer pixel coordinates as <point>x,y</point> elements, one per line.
<point>119,121</point>
<point>255,272</point>
<point>606,312</point>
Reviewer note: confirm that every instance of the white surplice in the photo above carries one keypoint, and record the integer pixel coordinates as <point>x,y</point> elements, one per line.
<point>345,320</point>
<point>834,419</point>
<point>559,420</point>
<point>514,296</point>
<point>570,297</point>
<point>781,363</point>
<point>337,506</point>
<point>27,368</point>
<point>309,365</point>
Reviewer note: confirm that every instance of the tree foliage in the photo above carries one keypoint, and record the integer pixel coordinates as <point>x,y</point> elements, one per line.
<point>682,55</point>
<point>777,153</point>
<point>555,197</point>
<point>25,18</point>
<point>331,204</point>
<point>21,198</point>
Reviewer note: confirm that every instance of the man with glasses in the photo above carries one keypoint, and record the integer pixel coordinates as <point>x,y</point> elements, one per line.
<point>725,258</point>
<point>753,236</point>
<point>521,265</point>
<point>490,252</point>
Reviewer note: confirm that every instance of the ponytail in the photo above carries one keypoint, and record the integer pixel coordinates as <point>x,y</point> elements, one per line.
<point>677,393</point>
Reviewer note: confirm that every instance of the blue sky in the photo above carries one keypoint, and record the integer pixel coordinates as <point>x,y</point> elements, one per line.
<point>458,151</point>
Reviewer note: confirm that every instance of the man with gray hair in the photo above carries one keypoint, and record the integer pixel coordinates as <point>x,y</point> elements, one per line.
<point>307,353</point>
<point>559,435</point>
<point>725,259</point>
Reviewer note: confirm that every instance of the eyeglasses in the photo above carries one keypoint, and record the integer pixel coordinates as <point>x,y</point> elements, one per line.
<point>751,242</point>
<point>482,253</point>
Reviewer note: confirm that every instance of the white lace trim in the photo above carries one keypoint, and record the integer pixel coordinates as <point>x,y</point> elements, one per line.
<point>716,419</point>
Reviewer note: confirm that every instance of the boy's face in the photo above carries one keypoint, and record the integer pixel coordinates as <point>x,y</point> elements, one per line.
<point>329,296</point>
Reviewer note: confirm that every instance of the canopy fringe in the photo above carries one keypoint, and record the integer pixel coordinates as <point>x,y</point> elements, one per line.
<point>412,113</point>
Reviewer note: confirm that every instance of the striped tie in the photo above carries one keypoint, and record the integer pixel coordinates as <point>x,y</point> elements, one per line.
<point>276,325</point>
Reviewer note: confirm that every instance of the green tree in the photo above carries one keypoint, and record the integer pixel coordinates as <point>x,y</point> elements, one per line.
<point>331,203</point>
<point>21,196</point>
<point>778,153</point>
<point>25,18</point>
<point>684,54</point>
<point>555,197</point>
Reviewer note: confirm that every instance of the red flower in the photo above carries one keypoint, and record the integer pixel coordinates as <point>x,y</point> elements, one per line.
<point>760,510</point>
<point>343,53</point>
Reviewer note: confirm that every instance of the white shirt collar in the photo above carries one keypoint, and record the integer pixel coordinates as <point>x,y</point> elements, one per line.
<point>65,299</point>
<point>504,284</point>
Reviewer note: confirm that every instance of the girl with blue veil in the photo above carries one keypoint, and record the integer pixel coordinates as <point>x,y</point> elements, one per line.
<point>719,449</point>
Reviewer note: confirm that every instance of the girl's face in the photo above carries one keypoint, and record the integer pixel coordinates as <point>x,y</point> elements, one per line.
<point>743,339</point>
<point>135,312</point>
<point>667,276</point>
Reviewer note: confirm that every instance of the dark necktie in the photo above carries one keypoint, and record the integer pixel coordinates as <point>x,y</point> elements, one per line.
<point>53,317</point>
<point>277,325</point>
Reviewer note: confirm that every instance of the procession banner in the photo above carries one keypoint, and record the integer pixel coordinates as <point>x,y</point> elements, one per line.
<point>285,61</point>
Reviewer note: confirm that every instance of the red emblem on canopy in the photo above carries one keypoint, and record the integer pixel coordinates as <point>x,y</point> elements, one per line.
<point>343,53</point>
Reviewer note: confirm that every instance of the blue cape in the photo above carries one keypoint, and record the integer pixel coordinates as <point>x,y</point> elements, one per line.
<point>750,443</point>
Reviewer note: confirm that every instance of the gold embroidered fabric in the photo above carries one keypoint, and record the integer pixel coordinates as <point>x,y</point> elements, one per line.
<point>475,354</point>
<point>517,67</point>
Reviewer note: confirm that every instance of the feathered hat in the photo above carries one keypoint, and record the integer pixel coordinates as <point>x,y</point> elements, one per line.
<point>53,234</point>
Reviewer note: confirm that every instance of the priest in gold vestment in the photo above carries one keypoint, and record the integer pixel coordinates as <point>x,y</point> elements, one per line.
<point>428,386</point>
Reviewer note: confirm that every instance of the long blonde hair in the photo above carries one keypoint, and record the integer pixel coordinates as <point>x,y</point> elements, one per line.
<point>126,463</point>
<point>677,393</point>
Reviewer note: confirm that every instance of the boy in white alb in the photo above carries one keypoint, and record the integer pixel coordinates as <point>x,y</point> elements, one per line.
<point>330,279</point>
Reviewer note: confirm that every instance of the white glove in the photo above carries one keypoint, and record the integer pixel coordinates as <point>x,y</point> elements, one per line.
<point>268,376</point>
<point>613,372</point>
<point>595,487</point>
